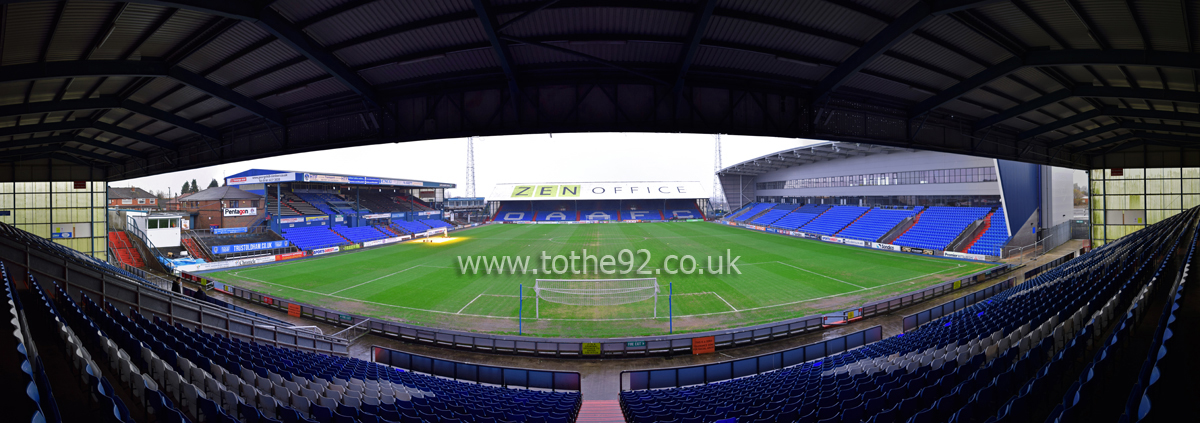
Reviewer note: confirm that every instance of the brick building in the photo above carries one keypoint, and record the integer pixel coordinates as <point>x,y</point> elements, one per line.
<point>131,198</point>
<point>225,207</point>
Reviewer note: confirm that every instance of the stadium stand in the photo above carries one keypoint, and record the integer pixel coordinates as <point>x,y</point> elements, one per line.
<point>303,207</point>
<point>739,212</point>
<point>752,212</point>
<point>557,215</point>
<point>772,215</point>
<point>360,234</point>
<point>682,209</point>
<point>437,223</point>
<point>876,223</point>
<point>598,214</point>
<point>834,220</point>
<point>995,361</point>
<point>938,226</point>
<point>284,209</point>
<point>314,237</point>
<point>194,249</point>
<point>993,239</point>
<point>412,227</point>
<point>175,374</point>
<point>119,242</point>
<point>641,214</point>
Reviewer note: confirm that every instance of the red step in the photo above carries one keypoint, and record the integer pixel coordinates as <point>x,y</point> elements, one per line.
<point>600,412</point>
<point>916,219</point>
<point>987,224</point>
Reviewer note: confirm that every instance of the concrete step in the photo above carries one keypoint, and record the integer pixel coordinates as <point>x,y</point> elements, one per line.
<point>600,412</point>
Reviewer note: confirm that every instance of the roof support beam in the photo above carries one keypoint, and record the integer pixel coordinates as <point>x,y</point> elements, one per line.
<point>909,21</point>
<point>275,24</point>
<point>1085,134</point>
<point>502,56</point>
<point>1105,142</point>
<point>109,146</point>
<point>1086,91</point>
<point>695,34</point>
<point>82,68</point>
<point>1113,112</point>
<point>1046,58</point>
<point>74,125</point>
<point>108,103</point>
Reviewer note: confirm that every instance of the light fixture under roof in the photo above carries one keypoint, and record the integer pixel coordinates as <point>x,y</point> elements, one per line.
<point>796,61</point>
<point>597,43</point>
<point>920,90</point>
<point>422,59</point>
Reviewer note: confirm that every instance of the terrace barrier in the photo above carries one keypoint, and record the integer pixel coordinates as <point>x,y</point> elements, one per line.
<point>509,377</point>
<point>632,380</point>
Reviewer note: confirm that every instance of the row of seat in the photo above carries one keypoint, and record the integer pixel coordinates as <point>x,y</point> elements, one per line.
<point>994,238</point>
<point>936,227</point>
<point>314,237</point>
<point>359,233</point>
<point>26,394</point>
<point>991,360</point>
<point>876,223</point>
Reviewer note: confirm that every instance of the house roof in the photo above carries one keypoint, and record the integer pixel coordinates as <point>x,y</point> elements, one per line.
<point>222,193</point>
<point>128,192</point>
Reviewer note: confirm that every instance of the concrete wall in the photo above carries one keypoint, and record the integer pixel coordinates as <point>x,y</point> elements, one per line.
<point>881,163</point>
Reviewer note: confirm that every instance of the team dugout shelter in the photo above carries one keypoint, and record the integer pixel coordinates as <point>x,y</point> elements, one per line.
<point>300,199</point>
<point>599,202</point>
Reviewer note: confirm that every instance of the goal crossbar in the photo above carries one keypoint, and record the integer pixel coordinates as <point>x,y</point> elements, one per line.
<point>596,292</point>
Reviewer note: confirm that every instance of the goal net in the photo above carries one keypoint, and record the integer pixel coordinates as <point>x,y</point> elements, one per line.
<point>596,292</point>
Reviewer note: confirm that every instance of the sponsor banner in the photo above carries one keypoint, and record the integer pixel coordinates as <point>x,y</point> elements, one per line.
<point>428,213</point>
<point>979,257</point>
<point>315,218</point>
<point>772,230</point>
<point>366,244</point>
<point>262,179</point>
<point>364,180</point>
<point>241,248</point>
<point>241,211</point>
<point>854,242</point>
<point>377,216</point>
<point>294,310</point>
<point>399,238</point>
<point>223,231</point>
<point>831,239</point>
<point>694,220</point>
<point>756,227</point>
<point>327,250</point>
<point>807,235</point>
<point>599,191</point>
<point>704,345</point>
<point>882,246</point>
<point>915,250</point>
<point>338,218</point>
<point>399,215</point>
<point>291,220</point>
<point>351,247</point>
<point>289,256</point>
<point>253,260</point>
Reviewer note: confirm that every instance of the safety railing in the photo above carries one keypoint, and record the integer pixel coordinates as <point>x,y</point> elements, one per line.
<point>632,380</point>
<point>509,377</point>
<point>917,319</point>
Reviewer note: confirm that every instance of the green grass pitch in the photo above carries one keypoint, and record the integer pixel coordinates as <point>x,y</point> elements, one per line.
<point>422,283</point>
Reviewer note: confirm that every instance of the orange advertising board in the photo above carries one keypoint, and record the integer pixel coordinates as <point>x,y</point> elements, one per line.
<point>704,345</point>
<point>294,310</point>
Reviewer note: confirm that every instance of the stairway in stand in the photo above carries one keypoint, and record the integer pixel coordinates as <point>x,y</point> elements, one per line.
<point>600,412</point>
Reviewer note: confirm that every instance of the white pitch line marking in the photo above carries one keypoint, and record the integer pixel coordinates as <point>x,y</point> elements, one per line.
<point>723,300</point>
<point>469,304</point>
<point>373,280</point>
<point>822,275</point>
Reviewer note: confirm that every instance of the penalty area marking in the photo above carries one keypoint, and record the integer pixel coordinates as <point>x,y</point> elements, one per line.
<point>373,280</point>
<point>822,275</point>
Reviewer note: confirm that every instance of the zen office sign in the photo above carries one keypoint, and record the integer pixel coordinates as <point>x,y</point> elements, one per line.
<point>600,191</point>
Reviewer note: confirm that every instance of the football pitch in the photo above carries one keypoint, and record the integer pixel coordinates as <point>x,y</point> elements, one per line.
<point>424,284</point>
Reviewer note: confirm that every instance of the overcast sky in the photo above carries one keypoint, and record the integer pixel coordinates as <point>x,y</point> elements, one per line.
<point>577,157</point>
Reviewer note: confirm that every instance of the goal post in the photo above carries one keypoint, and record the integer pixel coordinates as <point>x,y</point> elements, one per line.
<point>597,292</point>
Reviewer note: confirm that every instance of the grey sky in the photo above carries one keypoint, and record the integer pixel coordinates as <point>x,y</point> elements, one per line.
<point>575,157</point>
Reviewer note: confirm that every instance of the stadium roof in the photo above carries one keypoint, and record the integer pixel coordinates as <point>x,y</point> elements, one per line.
<point>258,176</point>
<point>119,89</point>
<point>222,193</point>
<point>807,154</point>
